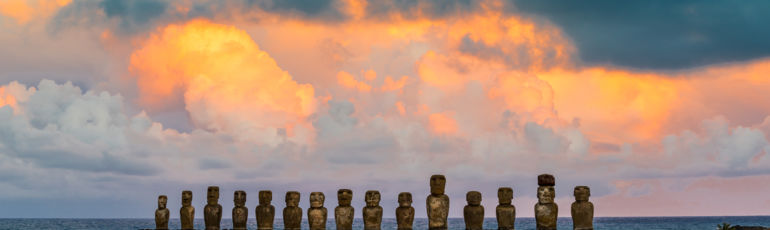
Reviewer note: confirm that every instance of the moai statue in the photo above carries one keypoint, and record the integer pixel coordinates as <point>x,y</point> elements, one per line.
<point>292,213</point>
<point>405,211</point>
<point>546,210</point>
<point>187,212</point>
<point>161,215</point>
<point>473,212</point>
<point>212,213</point>
<point>582,209</point>
<point>316,214</point>
<point>373,210</point>
<point>343,214</point>
<point>266,212</point>
<point>506,213</point>
<point>240,211</point>
<point>437,203</point>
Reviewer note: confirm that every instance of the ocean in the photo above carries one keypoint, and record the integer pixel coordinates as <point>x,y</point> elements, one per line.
<point>600,223</point>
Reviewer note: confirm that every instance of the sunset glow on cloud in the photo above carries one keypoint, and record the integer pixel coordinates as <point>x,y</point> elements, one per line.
<point>159,96</point>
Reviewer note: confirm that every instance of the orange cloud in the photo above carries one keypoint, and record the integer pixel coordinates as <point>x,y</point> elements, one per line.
<point>227,82</point>
<point>7,99</point>
<point>613,105</point>
<point>393,85</point>
<point>442,124</point>
<point>24,11</point>
<point>348,81</point>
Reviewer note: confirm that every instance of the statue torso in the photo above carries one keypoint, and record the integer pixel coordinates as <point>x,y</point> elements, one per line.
<point>506,216</point>
<point>265,216</point>
<point>161,218</point>
<point>316,218</point>
<point>343,216</point>
<point>405,217</point>
<point>292,217</point>
<point>372,217</point>
<point>186,216</point>
<point>240,216</point>
<point>438,210</point>
<point>583,215</point>
<point>545,215</point>
<point>474,217</point>
<point>212,215</point>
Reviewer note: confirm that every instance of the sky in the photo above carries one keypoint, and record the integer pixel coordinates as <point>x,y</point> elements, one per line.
<point>662,108</point>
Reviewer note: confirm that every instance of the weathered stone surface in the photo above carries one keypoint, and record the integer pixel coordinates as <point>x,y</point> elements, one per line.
<point>316,214</point>
<point>473,212</point>
<point>292,213</point>
<point>546,180</point>
<point>405,211</point>
<point>437,203</point>
<point>161,214</point>
<point>240,211</point>
<point>582,209</point>
<point>373,210</point>
<point>344,213</point>
<point>505,212</point>
<point>187,212</point>
<point>212,213</point>
<point>265,211</point>
<point>546,211</point>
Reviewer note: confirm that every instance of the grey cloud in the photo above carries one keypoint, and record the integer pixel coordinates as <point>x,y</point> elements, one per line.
<point>342,140</point>
<point>206,163</point>
<point>59,127</point>
<point>659,34</point>
<point>416,8</point>
<point>545,140</point>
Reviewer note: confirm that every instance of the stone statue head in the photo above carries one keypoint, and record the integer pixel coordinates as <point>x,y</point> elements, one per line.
<point>292,199</point>
<point>545,194</point>
<point>317,199</point>
<point>505,195</point>
<point>266,196</point>
<point>344,196</point>
<point>162,199</point>
<point>437,184</point>
<point>186,198</point>
<point>212,194</point>
<point>239,198</point>
<point>372,198</point>
<point>473,198</point>
<point>404,199</point>
<point>582,193</point>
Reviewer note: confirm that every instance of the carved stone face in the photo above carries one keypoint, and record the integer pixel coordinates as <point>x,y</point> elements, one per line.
<point>473,198</point>
<point>545,194</point>
<point>317,199</point>
<point>582,193</point>
<point>437,184</point>
<point>186,198</point>
<point>505,195</point>
<point>162,199</point>
<point>266,196</point>
<point>404,199</point>
<point>292,199</point>
<point>239,198</point>
<point>344,196</point>
<point>372,198</point>
<point>212,194</point>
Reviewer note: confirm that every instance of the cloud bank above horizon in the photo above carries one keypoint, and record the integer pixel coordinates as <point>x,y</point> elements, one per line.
<point>120,101</point>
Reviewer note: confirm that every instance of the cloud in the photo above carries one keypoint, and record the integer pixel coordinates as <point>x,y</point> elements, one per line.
<point>227,83</point>
<point>57,126</point>
<point>25,11</point>
<point>659,34</point>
